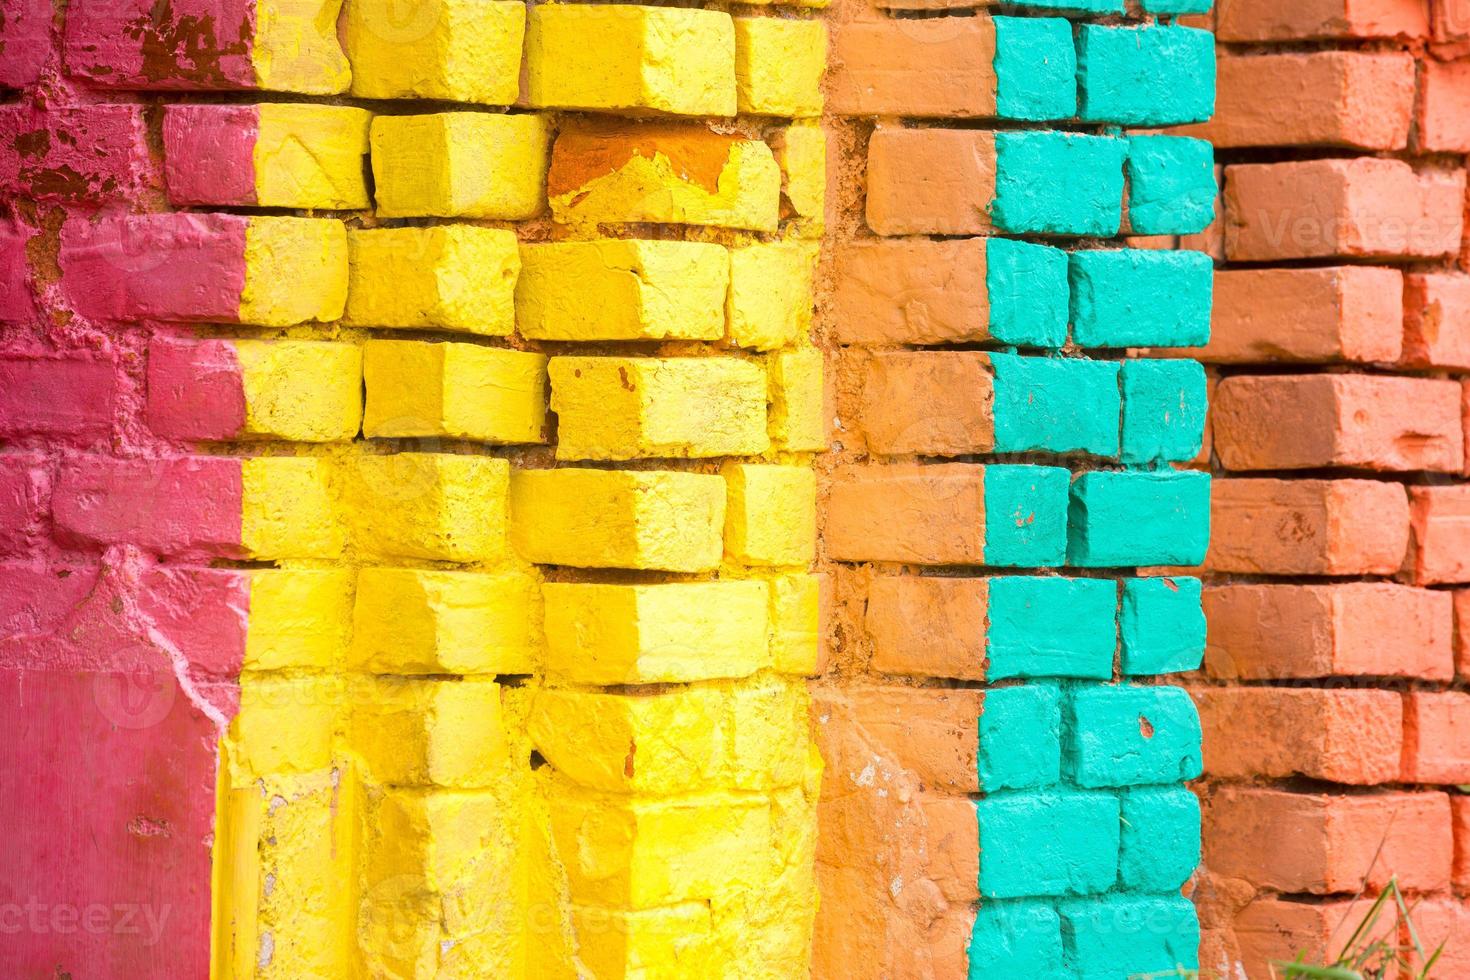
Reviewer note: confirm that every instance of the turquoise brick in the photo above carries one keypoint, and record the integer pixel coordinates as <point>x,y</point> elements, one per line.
<point>1052,843</point>
<point>1160,839</point>
<point>1030,298</point>
<point>1129,936</point>
<point>1140,298</point>
<point>1055,405</point>
<point>1035,68</point>
<point>1017,939</point>
<point>1127,520</point>
<point>1076,6</point>
<point>1049,183</point>
<point>1044,626</point>
<point>1123,735</point>
<point>1021,737</point>
<point>1177,6</point>
<point>1146,76</point>
<point>1026,516</point>
<point>1164,405</point>
<point>1163,626</point>
<point>1171,185</point>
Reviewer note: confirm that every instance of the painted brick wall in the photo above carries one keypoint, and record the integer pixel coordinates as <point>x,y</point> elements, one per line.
<point>1332,701</point>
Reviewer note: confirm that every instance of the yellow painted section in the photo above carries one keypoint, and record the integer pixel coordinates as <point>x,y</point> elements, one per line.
<point>770,514</point>
<point>796,623</point>
<point>622,289</point>
<point>287,509</point>
<point>464,391</point>
<point>455,50</point>
<point>770,300</point>
<point>618,518</point>
<point>652,944</point>
<point>801,152</point>
<point>295,47</point>
<point>286,723</point>
<point>624,57</point>
<point>295,271</point>
<point>798,413</point>
<point>310,156</point>
<point>421,621</point>
<point>421,732</point>
<point>432,506</point>
<point>298,618</point>
<point>668,632</point>
<point>456,277</point>
<point>658,407</point>
<point>301,390</point>
<point>461,165</point>
<point>778,66</point>
<point>652,188</point>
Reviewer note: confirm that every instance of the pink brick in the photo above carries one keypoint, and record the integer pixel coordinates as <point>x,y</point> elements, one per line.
<point>37,598</point>
<point>1302,20</point>
<point>25,41</point>
<point>188,505</point>
<point>73,395</point>
<point>15,293</point>
<point>202,612</point>
<point>209,154</point>
<point>94,153</point>
<point>195,390</point>
<point>1437,320</point>
<point>25,491</point>
<point>1437,737</point>
<point>184,44</point>
<point>1439,519</point>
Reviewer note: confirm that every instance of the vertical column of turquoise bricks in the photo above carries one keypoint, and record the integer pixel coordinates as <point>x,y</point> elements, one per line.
<point>1087,832</point>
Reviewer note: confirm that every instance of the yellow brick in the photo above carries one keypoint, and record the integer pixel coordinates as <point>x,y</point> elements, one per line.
<point>770,300</point>
<point>658,407</point>
<point>295,271</point>
<point>285,724</point>
<point>618,518</point>
<point>770,514</point>
<point>287,509</point>
<point>655,634</point>
<point>295,47</point>
<point>463,391</point>
<point>310,156</point>
<point>458,277</point>
<point>626,57</point>
<point>622,289</point>
<point>664,174</point>
<point>301,390</point>
<point>427,505</point>
<point>769,731</point>
<point>798,413</point>
<point>415,621</point>
<point>298,618</point>
<point>461,164</point>
<point>639,853</point>
<point>779,65</point>
<point>796,622</point>
<point>671,943</point>
<point>801,152</point>
<point>454,50</point>
<point>414,732</point>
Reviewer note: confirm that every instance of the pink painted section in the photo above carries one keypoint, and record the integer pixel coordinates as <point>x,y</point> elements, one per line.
<point>90,153</point>
<point>25,43</point>
<point>162,44</point>
<point>155,266</point>
<point>25,490</point>
<point>187,506</point>
<point>70,397</point>
<point>15,295</point>
<point>195,390</point>
<point>209,154</point>
<point>204,612</point>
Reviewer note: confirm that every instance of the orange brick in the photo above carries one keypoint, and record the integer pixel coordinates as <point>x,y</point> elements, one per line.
<point>1357,208</point>
<point>1437,320</point>
<point>928,515</point>
<point>1302,20</point>
<point>1437,737</point>
<point>1323,844</point>
<point>1451,23</point>
<point>910,291</point>
<point>1356,629</point>
<point>927,627</point>
<point>1444,922</point>
<point>1460,819</point>
<point>1440,521</point>
<point>940,67</point>
<point>1462,632</point>
<point>1444,107</point>
<point>933,403</point>
<point>1308,527</point>
<point>930,181</point>
<point>1294,422</point>
<point>1341,736</point>
<point>930,732</point>
<point>1273,930</point>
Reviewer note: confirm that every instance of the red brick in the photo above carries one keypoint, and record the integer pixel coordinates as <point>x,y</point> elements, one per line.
<point>25,491</point>
<point>1354,99</point>
<point>1340,736</point>
<point>927,627</point>
<point>910,291</point>
<point>914,68</point>
<point>1444,922</point>
<point>1319,316</point>
<point>1444,107</point>
<point>1440,521</point>
<point>1355,629</point>
<point>1301,20</point>
<point>924,514</point>
<point>1323,844</point>
<point>1436,737</point>
<point>92,153</point>
<point>1294,422</point>
<point>933,403</point>
<point>1437,320</point>
<point>1356,208</point>
<point>1460,817</point>
<point>930,181</point>
<point>188,505</point>
<point>1274,930</point>
<point>71,395</point>
<point>1308,527</point>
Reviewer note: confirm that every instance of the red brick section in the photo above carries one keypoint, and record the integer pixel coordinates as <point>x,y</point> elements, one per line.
<point>1334,694</point>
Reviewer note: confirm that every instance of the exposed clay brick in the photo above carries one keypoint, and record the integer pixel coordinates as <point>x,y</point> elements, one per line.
<point>1436,737</point>
<point>1444,107</point>
<point>931,732</point>
<point>1356,629</point>
<point>69,397</point>
<point>928,627</point>
<point>25,489</point>
<point>1308,527</point>
<point>1341,735</point>
<point>93,153</point>
<point>930,181</point>
<point>931,403</point>
<point>1325,845</point>
<point>1293,422</point>
<point>1444,922</point>
<point>910,291</point>
<point>1270,20</point>
<point>1357,208</point>
<point>1440,520</point>
<point>931,515</point>
<point>1451,20</point>
<point>1437,320</point>
<point>1272,930</point>
<point>1460,820</point>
